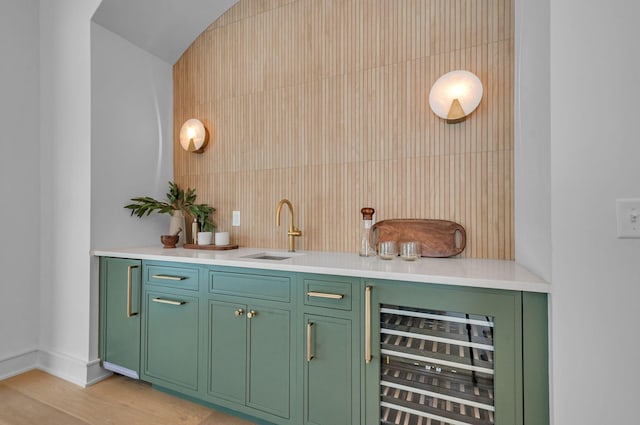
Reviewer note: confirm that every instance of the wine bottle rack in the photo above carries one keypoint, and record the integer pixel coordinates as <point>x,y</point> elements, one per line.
<point>437,368</point>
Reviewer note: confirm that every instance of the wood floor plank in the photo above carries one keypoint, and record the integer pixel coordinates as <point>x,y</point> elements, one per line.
<point>117,400</point>
<point>219,418</point>
<point>19,409</point>
<point>142,397</point>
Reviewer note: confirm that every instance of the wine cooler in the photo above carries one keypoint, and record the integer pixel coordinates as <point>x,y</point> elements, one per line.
<point>436,367</point>
<point>442,355</point>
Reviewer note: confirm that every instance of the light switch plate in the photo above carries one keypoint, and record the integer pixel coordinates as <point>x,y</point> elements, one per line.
<point>235,219</point>
<point>628,217</point>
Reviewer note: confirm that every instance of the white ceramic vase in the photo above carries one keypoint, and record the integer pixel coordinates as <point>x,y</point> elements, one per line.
<point>204,238</point>
<point>177,222</point>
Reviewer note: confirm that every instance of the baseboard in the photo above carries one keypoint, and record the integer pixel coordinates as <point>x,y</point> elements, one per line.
<point>70,369</point>
<point>15,365</point>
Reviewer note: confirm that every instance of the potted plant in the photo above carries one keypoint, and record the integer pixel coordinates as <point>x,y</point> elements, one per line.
<point>177,203</point>
<point>203,215</point>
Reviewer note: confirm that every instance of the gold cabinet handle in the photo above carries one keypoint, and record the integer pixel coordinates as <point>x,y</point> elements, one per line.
<point>239,312</point>
<point>252,314</point>
<point>130,313</point>
<point>367,324</point>
<point>325,295</point>
<point>167,277</point>
<point>309,353</point>
<point>166,301</point>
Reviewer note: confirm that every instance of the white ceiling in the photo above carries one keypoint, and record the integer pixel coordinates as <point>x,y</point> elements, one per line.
<point>164,28</point>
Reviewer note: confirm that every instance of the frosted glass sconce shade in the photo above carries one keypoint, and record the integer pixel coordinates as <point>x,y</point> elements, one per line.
<point>455,95</point>
<point>193,136</point>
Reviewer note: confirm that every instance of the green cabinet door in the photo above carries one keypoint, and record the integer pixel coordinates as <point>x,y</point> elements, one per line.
<point>442,352</point>
<point>170,339</point>
<point>328,372</point>
<point>250,355</point>
<point>269,362</point>
<point>227,350</point>
<point>119,315</point>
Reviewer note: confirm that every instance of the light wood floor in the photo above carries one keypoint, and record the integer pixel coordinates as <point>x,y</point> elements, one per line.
<point>38,398</point>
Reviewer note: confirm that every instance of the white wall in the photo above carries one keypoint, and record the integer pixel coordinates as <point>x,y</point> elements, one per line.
<point>532,138</point>
<point>595,147</point>
<point>131,146</point>
<point>131,139</point>
<point>19,183</point>
<point>65,187</point>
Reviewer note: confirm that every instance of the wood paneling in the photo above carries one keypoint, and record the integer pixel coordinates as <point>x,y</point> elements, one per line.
<point>326,103</point>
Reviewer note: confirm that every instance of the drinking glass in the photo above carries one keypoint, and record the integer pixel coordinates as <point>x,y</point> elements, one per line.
<point>388,250</point>
<point>410,251</point>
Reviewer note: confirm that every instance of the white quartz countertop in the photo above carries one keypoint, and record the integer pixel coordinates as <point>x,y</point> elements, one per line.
<point>495,274</point>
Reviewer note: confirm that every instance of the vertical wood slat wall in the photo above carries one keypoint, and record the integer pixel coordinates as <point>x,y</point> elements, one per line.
<point>326,103</point>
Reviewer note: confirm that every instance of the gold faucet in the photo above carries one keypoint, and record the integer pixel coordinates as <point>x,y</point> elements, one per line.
<point>293,232</point>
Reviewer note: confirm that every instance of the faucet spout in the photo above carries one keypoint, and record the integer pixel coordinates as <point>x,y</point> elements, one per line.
<point>292,232</point>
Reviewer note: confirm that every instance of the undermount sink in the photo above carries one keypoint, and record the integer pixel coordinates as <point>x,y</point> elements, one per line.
<point>276,256</point>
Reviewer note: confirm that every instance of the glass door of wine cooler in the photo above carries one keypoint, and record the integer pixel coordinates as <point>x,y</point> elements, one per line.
<point>442,356</point>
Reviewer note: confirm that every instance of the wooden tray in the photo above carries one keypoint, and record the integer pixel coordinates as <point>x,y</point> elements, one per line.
<point>439,238</point>
<point>210,247</point>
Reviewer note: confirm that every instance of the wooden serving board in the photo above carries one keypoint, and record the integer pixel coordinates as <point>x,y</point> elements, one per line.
<point>439,238</point>
<point>210,247</point>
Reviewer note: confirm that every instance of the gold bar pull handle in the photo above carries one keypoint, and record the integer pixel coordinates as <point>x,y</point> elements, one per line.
<point>166,301</point>
<point>325,295</point>
<point>167,277</point>
<point>309,352</point>
<point>367,324</point>
<point>130,312</point>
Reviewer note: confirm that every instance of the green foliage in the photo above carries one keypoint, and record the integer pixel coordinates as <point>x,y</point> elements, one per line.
<point>202,212</point>
<point>177,200</point>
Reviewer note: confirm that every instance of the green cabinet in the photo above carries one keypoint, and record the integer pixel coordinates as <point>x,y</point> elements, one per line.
<point>331,376</point>
<point>228,351</point>
<point>300,348</point>
<point>269,360</point>
<point>120,315</point>
<point>250,342</point>
<point>171,328</point>
<point>328,372</point>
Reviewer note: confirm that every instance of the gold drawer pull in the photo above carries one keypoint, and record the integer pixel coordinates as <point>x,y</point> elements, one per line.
<point>165,301</point>
<point>309,353</point>
<point>325,295</point>
<point>367,324</point>
<point>130,312</point>
<point>167,277</point>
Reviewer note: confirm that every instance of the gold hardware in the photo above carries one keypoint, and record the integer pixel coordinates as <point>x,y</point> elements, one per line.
<point>171,302</point>
<point>252,314</point>
<point>292,232</point>
<point>367,324</point>
<point>325,295</point>
<point>309,354</point>
<point>456,113</point>
<point>388,360</point>
<point>239,312</point>
<point>168,277</point>
<point>130,290</point>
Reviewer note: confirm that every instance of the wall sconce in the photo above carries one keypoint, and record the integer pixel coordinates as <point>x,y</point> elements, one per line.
<point>193,136</point>
<point>455,95</point>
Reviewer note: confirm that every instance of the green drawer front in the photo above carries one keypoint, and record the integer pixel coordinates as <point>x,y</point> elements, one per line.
<point>327,293</point>
<point>273,288</point>
<point>171,340</point>
<point>171,276</point>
